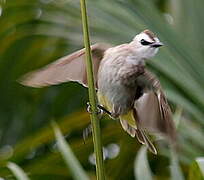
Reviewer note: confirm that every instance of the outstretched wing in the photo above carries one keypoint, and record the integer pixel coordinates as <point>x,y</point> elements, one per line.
<point>68,68</point>
<point>154,112</point>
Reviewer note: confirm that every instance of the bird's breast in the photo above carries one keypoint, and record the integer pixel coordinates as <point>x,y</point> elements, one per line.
<point>117,82</point>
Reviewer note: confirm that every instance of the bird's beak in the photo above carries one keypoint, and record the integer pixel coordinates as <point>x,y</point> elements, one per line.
<point>157,44</point>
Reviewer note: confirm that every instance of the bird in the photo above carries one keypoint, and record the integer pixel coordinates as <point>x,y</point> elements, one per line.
<point>126,89</point>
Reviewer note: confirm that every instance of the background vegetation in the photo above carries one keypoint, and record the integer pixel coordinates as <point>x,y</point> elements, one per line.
<point>36,32</point>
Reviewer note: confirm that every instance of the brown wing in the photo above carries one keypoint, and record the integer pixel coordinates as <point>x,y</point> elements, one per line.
<point>153,109</point>
<point>168,126</point>
<point>148,111</point>
<point>68,68</point>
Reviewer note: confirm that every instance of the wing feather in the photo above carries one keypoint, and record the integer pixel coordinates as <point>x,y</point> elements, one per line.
<point>153,109</point>
<point>68,68</point>
<point>166,115</point>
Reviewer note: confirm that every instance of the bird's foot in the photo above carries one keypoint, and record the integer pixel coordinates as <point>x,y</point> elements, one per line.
<point>99,110</point>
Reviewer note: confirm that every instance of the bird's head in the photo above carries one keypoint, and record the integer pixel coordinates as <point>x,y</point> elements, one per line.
<point>146,44</point>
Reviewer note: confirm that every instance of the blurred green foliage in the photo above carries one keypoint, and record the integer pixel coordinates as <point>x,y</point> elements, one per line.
<point>36,32</point>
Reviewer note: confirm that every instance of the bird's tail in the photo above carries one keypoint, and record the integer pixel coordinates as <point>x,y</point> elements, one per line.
<point>131,125</point>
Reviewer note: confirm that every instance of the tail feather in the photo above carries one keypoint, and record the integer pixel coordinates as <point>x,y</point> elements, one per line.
<point>137,131</point>
<point>140,137</point>
<point>148,142</point>
<point>130,130</point>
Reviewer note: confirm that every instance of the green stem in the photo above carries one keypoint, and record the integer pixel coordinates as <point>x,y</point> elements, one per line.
<point>92,97</point>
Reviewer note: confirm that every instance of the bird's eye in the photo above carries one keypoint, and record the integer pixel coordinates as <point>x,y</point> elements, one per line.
<point>145,43</point>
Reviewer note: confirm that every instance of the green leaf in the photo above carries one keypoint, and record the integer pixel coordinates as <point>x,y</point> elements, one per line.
<point>141,165</point>
<point>177,116</point>
<point>200,162</point>
<point>197,169</point>
<point>176,173</point>
<point>71,161</point>
<point>17,171</point>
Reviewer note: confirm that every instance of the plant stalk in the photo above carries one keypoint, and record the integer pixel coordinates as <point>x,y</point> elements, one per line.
<point>100,172</point>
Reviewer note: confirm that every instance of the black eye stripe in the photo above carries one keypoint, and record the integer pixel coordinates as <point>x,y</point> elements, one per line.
<point>145,43</point>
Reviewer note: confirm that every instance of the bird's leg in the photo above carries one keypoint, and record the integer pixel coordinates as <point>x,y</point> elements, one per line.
<point>88,130</point>
<point>101,110</point>
<point>113,114</point>
<point>105,110</point>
